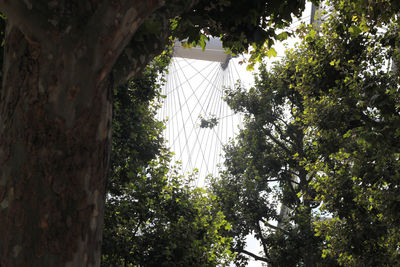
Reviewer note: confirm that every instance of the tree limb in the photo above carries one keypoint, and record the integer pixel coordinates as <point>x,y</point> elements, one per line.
<point>262,240</point>
<point>281,133</point>
<point>293,174</point>
<point>148,44</point>
<point>111,28</point>
<point>290,184</point>
<point>138,53</point>
<point>276,141</point>
<point>275,227</point>
<point>28,17</point>
<point>256,257</point>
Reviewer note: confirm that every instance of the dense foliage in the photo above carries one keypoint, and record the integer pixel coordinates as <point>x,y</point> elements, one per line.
<point>137,135</point>
<point>266,189</point>
<point>320,147</point>
<point>247,26</point>
<point>349,81</point>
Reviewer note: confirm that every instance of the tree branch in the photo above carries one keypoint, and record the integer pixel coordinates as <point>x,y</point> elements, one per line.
<point>148,44</point>
<point>262,240</point>
<point>293,174</point>
<point>256,257</point>
<point>275,227</point>
<point>28,16</point>
<point>278,118</point>
<point>111,28</point>
<point>276,141</point>
<point>281,133</point>
<point>140,51</point>
<point>290,184</point>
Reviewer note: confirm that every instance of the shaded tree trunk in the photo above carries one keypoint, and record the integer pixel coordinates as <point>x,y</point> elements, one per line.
<point>310,253</point>
<point>55,126</point>
<point>55,129</point>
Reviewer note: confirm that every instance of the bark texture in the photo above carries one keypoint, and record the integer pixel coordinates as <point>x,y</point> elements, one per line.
<point>55,140</point>
<point>55,126</point>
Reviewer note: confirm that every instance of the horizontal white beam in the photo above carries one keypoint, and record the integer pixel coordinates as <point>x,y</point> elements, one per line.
<point>213,51</point>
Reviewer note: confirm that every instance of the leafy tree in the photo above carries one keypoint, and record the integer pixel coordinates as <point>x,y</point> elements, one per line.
<point>351,102</point>
<point>137,135</point>
<point>62,61</point>
<point>152,217</point>
<point>266,188</point>
<point>161,221</point>
<point>328,110</point>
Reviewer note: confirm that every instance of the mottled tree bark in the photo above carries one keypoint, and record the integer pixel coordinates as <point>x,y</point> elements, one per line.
<point>55,136</point>
<point>55,126</point>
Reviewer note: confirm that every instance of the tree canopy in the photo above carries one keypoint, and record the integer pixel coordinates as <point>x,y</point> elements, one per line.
<point>348,77</point>
<point>321,133</point>
<point>266,189</point>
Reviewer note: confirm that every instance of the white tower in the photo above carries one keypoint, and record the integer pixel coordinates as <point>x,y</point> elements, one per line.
<point>199,122</point>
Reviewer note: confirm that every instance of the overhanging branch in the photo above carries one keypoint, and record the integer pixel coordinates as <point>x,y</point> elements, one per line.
<point>148,44</point>
<point>263,241</point>
<point>28,16</point>
<point>140,51</point>
<point>275,227</point>
<point>112,27</point>
<point>254,256</point>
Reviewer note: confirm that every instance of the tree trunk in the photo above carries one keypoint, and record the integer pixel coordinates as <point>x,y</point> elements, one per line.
<point>55,129</point>
<point>309,257</point>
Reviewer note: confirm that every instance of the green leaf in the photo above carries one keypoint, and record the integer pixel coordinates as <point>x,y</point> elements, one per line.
<point>271,52</point>
<point>282,36</point>
<point>354,30</point>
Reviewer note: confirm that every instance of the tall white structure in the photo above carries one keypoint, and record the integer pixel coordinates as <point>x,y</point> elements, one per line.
<point>198,121</point>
